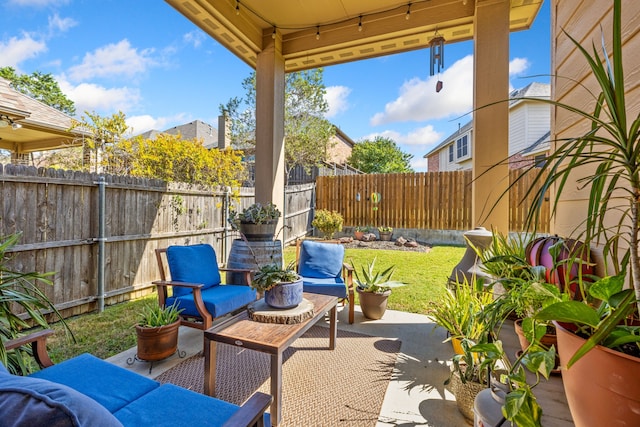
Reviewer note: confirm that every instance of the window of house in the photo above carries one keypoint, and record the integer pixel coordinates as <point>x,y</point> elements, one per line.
<point>462,147</point>
<point>451,153</point>
<point>540,160</point>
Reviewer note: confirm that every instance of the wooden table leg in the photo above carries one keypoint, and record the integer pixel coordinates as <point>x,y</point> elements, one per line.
<point>210,356</point>
<point>276,388</point>
<point>333,327</point>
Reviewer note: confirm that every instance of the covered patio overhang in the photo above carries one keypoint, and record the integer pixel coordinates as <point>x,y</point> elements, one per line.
<point>291,35</point>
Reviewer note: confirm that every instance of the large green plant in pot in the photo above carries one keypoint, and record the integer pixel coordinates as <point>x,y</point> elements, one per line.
<point>607,158</point>
<point>19,296</point>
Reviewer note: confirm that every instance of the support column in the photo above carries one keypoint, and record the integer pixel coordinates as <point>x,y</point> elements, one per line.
<point>270,86</point>
<point>491,124</point>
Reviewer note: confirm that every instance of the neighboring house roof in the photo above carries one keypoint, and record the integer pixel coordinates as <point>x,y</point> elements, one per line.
<point>43,127</point>
<point>461,131</point>
<point>542,144</point>
<point>195,129</point>
<point>532,90</point>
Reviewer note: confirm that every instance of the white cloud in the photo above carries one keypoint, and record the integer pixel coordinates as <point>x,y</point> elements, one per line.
<point>336,97</point>
<point>194,38</point>
<point>419,164</point>
<point>92,97</point>
<point>60,24</point>
<point>518,66</point>
<point>16,50</point>
<point>113,59</point>
<point>419,101</point>
<point>422,137</point>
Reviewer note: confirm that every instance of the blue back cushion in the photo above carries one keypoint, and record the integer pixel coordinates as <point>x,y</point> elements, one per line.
<point>27,401</point>
<point>193,264</point>
<point>320,260</point>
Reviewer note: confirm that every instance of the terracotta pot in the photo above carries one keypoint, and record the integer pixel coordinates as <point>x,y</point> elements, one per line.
<point>258,232</point>
<point>358,235</point>
<point>157,343</point>
<point>285,295</point>
<point>373,305</point>
<point>603,387</point>
<point>547,341</point>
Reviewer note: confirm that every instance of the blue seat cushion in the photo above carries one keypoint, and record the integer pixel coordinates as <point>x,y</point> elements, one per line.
<point>193,264</point>
<point>219,300</point>
<point>29,401</point>
<point>107,384</point>
<point>170,406</point>
<point>330,286</point>
<point>320,260</point>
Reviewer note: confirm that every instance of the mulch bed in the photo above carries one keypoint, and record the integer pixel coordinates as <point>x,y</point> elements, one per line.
<point>378,244</point>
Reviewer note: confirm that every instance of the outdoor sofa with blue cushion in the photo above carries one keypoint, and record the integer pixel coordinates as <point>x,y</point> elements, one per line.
<point>87,391</point>
<point>196,285</point>
<point>323,270</point>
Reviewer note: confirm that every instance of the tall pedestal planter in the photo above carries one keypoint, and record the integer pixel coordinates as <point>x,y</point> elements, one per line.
<point>603,387</point>
<point>373,305</point>
<point>258,232</point>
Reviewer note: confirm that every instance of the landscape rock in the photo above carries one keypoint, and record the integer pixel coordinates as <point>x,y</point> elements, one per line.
<point>400,241</point>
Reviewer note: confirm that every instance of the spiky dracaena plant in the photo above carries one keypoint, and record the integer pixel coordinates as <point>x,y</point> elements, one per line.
<point>20,291</point>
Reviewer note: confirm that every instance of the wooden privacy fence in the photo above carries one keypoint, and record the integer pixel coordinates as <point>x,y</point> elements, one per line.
<point>58,214</point>
<point>431,200</point>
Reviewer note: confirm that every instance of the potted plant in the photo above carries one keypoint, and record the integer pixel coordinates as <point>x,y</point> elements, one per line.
<point>157,332</point>
<point>282,287</point>
<point>328,222</point>
<point>257,222</point>
<point>385,233</point>
<point>20,291</point>
<point>374,288</point>
<point>598,344</point>
<point>360,231</point>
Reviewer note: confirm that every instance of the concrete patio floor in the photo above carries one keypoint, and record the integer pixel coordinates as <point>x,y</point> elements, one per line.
<point>416,395</point>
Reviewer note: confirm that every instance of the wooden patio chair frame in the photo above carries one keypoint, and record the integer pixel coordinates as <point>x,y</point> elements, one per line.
<point>205,320</point>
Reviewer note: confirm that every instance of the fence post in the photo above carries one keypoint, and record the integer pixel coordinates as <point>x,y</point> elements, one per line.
<point>101,241</point>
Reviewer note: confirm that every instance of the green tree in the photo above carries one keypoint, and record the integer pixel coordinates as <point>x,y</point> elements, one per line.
<point>171,158</point>
<point>381,155</point>
<point>102,132</point>
<point>307,133</point>
<point>39,86</point>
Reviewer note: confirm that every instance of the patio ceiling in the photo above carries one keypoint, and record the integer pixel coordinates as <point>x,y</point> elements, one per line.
<point>321,33</point>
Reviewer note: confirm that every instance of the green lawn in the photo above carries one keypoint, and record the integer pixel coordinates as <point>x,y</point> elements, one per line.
<point>111,332</point>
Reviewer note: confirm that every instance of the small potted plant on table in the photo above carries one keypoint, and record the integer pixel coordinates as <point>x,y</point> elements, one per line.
<point>282,287</point>
<point>374,288</point>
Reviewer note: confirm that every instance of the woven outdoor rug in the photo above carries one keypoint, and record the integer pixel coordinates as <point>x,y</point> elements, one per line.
<point>320,387</point>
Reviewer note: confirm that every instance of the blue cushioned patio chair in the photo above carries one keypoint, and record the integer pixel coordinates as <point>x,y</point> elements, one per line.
<point>85,391</point>
<point>195,284</point>
<point>323,270</point>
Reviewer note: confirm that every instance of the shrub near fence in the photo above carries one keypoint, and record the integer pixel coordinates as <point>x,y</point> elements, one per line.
<point>57,213</point>
<point>431,200</point>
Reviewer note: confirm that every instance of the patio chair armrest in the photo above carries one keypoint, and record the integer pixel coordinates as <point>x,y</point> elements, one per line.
<point>251,413</point>
<point>38,341</point>
<point>181,284</point>
<point>347,274</point>
<point>244,271</point>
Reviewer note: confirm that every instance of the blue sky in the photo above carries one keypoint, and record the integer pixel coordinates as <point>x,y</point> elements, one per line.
<point>145,59</point>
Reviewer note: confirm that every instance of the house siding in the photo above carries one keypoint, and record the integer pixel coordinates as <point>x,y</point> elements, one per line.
<point>586,21</point>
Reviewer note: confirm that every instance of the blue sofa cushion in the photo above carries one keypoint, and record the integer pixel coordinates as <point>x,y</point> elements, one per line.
<point>107,384</point>
<point>28,401</point>
<point>320,260</point>
<point>219,300</point>
<point>193,264</point>
<point>170,405</point>
<point>329,286</point>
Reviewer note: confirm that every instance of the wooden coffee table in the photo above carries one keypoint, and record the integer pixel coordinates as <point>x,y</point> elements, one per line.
<point>271,338</point>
